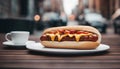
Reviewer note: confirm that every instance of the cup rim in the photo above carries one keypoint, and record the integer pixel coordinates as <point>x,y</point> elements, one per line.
<point>19,32</point>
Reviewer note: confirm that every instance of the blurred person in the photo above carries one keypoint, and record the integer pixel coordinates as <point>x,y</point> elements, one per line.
<point>49,18</point>
<point>81,17</point>
<point>116,21</point>
<point>63,18</point>
<point>72,20</point>
<point>116,14</point>
<point>87,10</point>
<point>50,15</point>
<point>76,12</point>
<point>41,8</point>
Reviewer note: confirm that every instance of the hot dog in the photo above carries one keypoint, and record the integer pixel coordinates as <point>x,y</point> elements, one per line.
<point>71,37</point>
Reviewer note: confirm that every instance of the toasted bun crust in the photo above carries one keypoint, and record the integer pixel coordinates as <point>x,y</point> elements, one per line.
<point>73,44</point>
<point>85,45</point>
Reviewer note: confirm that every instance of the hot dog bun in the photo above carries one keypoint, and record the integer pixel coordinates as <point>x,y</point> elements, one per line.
<point>73,44</point>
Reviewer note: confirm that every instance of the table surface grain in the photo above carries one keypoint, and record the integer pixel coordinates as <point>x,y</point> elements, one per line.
<point>20,57</point>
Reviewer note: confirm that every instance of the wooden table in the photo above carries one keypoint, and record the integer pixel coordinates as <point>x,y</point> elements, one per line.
<point>22,58</point>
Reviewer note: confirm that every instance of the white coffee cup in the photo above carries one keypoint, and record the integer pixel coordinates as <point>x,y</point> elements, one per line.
<point>18,37</point>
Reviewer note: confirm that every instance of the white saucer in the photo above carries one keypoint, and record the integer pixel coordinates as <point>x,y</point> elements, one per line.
<point>9,43</point>
<point>40,48</point>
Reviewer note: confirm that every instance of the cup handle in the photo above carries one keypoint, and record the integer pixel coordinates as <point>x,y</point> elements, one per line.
<point>6,36</point>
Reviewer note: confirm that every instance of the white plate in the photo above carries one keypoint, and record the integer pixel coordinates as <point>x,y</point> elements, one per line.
<point>40,48</point>
<point>9,43</point>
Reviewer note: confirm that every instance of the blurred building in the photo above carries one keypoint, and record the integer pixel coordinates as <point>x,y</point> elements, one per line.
<point>5,8</point>
<point>16,8</point>
<point>105,7</point>
<point>28,8</point>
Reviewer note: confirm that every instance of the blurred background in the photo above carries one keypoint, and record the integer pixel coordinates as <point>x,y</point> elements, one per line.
<point>37,15</point>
